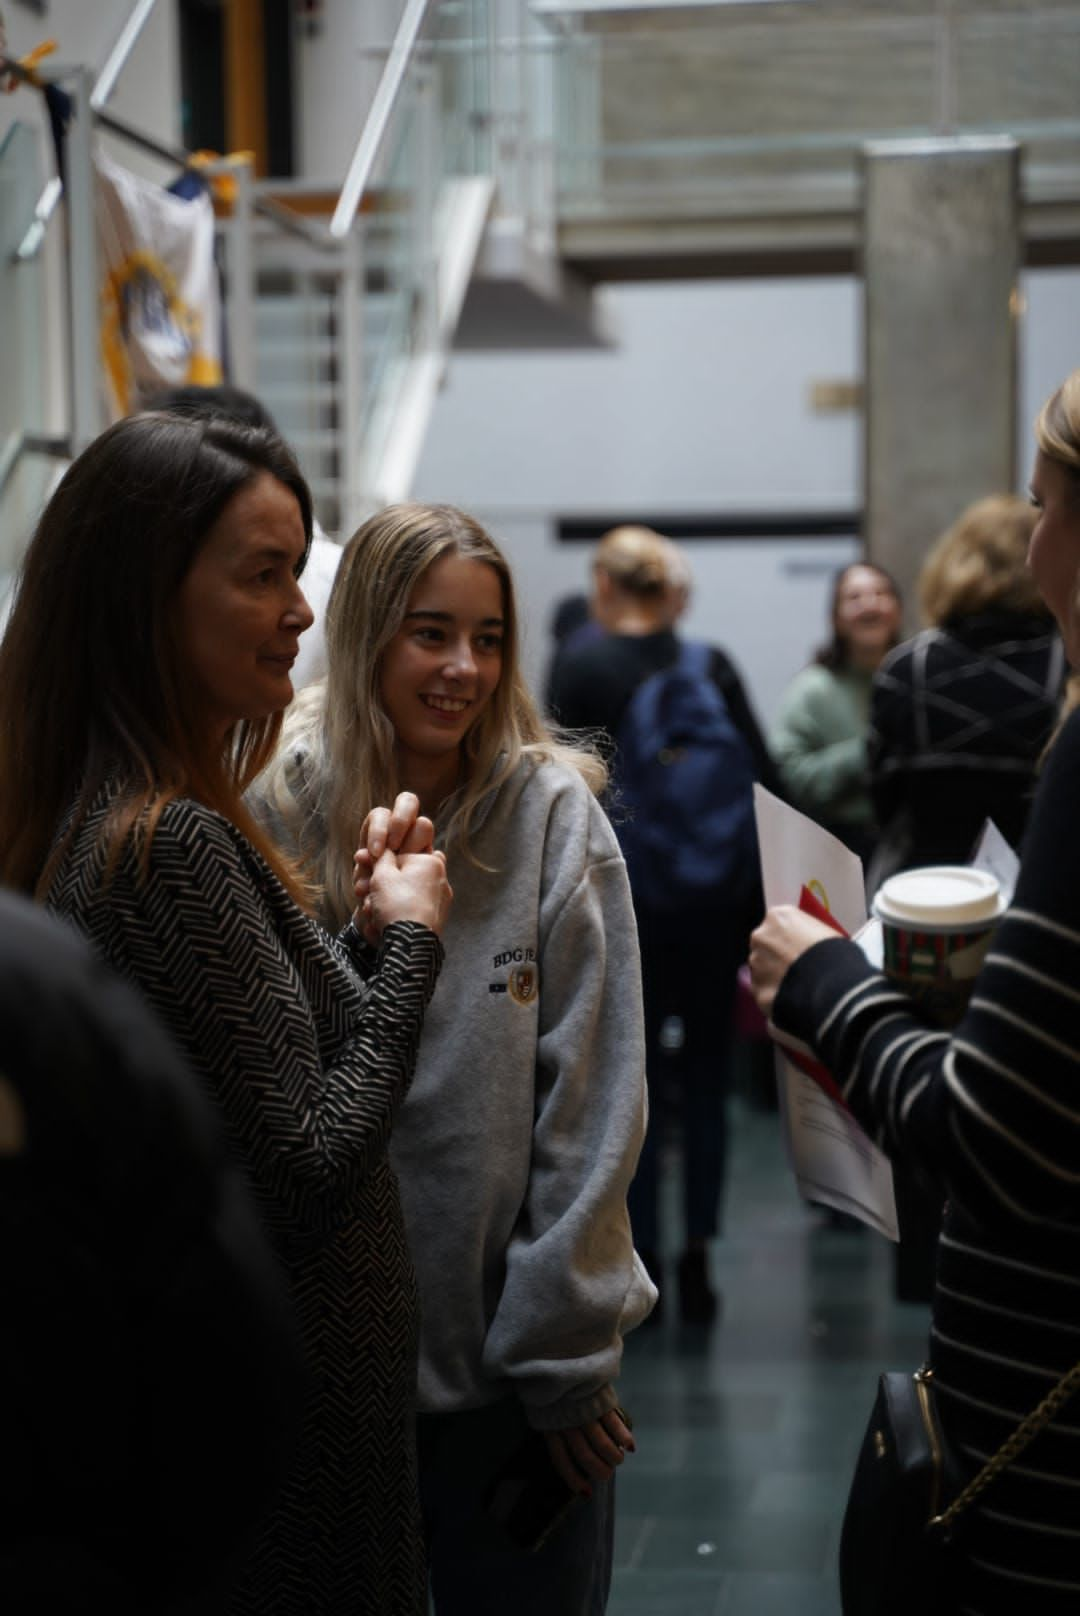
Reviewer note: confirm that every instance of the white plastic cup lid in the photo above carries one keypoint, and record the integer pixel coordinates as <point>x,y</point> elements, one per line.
<point>952,895</point>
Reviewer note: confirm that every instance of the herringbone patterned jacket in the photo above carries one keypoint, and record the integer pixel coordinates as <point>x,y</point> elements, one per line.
<point>308,1064</point>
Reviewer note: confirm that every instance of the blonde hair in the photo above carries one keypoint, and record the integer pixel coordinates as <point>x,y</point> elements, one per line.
<point>636,559</point>
<point>1068,702</point>
<point>1057,427</point>
<point>341,721</point>
<point>981,561</point>
<point>1057,434</point>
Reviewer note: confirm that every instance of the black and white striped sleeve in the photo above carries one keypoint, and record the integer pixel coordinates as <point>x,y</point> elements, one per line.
<point>994,1110</point>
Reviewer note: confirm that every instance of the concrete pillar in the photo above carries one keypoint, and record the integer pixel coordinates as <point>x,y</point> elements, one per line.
<point>941,255</point>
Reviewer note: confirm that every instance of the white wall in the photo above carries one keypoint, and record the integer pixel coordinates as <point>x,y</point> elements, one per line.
<point>703,405</point>
<point>703,408</point>
<point>336,70</point>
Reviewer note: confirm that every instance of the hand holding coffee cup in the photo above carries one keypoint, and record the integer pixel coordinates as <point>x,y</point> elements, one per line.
<point>937,924</point>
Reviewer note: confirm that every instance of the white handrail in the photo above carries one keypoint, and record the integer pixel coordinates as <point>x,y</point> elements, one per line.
<point>30,244</point>
<point>10,450</point>
<point>378,119</point>
<point>19,443</point>
<point>125,44</point>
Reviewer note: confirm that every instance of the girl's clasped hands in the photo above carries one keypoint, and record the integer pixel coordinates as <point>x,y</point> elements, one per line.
<point>397,874</point>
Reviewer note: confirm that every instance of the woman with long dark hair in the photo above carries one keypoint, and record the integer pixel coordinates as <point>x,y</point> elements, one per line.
<point>142,679</point>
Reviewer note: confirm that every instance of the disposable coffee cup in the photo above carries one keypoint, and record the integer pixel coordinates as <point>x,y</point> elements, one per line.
<point>936,925</point>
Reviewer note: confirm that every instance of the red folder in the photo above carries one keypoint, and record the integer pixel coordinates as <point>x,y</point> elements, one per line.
<point>801,1056</point>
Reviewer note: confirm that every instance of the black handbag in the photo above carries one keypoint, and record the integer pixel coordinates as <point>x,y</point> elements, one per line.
<point>902,1538</point>
<point>891,1558</point>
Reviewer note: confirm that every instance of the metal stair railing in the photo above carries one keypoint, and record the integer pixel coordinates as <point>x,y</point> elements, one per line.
<point>364,303</point>
<point>27,450</point>
<point>423,141</point>
<point>373,136</point>
<point>326,321</point>
<point>235,231</point>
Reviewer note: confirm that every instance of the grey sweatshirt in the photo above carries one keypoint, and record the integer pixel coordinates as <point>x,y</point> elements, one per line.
<point>521,1132</point>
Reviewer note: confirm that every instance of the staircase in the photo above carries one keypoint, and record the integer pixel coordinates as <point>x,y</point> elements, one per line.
<point>518,154</point>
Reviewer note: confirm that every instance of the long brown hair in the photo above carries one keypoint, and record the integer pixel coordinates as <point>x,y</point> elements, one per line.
<point>92,683</point>
<point>981,563</point>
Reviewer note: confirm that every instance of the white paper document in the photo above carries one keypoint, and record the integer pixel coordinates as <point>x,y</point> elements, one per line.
<point>993,854</point>
<point>833,1160</point>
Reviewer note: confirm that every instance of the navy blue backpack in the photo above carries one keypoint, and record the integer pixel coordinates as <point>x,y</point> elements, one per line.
<point>684,776</point>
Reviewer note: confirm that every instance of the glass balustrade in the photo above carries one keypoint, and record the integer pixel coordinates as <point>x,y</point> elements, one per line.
<point>396,264</point>
<point>700,112</point>
<point>744,111</point>
<point>337,331</point>
<point>460,52</point>
<point>24,477</point>
<point>439,133</point>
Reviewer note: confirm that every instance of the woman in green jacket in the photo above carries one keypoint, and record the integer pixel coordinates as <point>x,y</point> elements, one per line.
<point>819,740</point>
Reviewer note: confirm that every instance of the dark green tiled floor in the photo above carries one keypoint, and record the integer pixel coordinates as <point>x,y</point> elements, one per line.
<point>747,1432</point>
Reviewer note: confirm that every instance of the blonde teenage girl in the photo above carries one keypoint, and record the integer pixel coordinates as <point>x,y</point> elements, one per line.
<point>520,1136</point>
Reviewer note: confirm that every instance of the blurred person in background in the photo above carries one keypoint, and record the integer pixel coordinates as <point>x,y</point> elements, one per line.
<point>142,677</point>
<point>689,955</point>
<point>575,622</point>
<point>989,1110</point>
<point>819,738</point>
<point>960,714</point>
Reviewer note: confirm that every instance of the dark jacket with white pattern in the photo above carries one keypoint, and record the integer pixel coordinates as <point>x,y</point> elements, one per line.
<point>959,716</point>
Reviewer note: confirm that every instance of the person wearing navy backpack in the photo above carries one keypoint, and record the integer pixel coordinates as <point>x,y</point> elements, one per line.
<point>686,750</point>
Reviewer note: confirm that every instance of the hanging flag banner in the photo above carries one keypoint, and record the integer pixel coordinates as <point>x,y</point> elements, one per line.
<point>160,311</point>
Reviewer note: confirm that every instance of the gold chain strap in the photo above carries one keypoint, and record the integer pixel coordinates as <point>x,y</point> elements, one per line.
<point>1011,1448</point>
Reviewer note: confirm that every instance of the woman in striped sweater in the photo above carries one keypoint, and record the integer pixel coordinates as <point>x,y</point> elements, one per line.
<point>992,1111</point>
